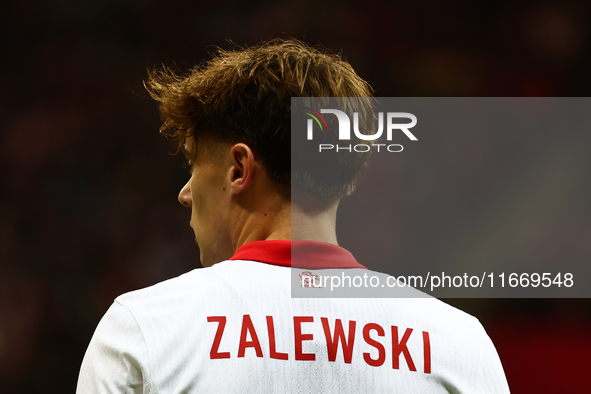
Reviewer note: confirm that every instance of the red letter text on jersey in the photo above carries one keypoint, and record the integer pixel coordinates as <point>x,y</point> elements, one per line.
<point>332,343</point>
<point>400,347</point>
<point>381,350</point>
<point>254,342</point>
<point>427,351</point>
<point>213,354</point>
<point>271,329</point>
<point>299,337</point>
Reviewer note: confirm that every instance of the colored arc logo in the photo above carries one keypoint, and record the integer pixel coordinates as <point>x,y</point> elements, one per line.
<point>315,117</point>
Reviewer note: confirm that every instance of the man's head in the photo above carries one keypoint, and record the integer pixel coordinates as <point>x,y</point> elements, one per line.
<point>244,97</point>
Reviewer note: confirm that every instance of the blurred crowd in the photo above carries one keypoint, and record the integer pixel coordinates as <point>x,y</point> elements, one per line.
<point>88,187</point>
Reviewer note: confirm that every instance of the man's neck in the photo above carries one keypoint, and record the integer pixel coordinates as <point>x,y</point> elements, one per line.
<point>313,219</point>
<point>298,217</point>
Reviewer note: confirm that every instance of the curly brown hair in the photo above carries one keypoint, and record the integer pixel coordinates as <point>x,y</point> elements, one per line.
<point>244,95</point>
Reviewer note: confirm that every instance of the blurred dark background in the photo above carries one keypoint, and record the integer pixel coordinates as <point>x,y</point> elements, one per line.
<point>88,188</point>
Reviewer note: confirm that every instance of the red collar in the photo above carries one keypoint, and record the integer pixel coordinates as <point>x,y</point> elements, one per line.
<point>297,254</point>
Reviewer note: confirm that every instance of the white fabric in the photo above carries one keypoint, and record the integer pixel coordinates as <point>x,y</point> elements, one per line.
<point>159,340</point>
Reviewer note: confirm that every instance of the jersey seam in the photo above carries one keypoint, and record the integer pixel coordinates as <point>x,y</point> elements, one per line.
<point>136,321</point>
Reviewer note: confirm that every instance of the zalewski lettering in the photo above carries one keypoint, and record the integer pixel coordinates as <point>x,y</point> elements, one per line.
<point>372,334</point>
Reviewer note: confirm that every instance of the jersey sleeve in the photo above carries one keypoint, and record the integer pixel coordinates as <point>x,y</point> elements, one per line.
<point>116,360</point>
<point>493,378</point>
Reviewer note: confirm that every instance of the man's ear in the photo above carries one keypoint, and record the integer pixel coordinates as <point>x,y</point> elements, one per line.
<point>242,171</point>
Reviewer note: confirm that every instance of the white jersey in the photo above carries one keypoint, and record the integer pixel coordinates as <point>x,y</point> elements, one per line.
<point>234,328</point>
